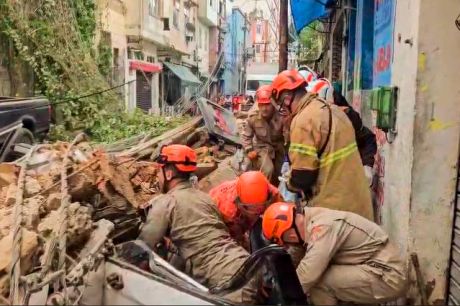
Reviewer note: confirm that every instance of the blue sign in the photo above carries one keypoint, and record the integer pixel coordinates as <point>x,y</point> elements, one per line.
<point>383,41</point>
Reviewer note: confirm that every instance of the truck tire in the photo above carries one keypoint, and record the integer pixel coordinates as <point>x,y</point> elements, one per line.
<point>23,135</point>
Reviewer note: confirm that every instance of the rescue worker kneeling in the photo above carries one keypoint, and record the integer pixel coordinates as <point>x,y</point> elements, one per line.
<point>348,258</point>
<point>241,202</point>
<point>190,219</point>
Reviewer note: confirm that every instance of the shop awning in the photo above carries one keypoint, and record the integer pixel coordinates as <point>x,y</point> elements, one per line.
<point>145,66</point>
<point>305,12</point>
<point>183,73</point>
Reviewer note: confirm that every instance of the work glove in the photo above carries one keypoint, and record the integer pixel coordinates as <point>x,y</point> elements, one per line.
<point>252,155</point>
<point>369,172</point>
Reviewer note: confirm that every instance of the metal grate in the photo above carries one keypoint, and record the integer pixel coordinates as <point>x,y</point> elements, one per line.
<point>143,91</point>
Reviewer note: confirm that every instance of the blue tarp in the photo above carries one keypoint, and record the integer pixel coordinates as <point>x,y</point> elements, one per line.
<point>305,12</point>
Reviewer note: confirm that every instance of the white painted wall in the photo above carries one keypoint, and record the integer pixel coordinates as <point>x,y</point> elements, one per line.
<point>421,163</point>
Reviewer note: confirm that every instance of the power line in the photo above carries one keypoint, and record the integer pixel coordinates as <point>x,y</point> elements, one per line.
<point>74,99</point>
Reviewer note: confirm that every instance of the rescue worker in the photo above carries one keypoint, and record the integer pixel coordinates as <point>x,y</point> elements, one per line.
<point>365,138</point>
<point>242,201</point>
<point>348,258</point>
<point>325,163</point>
<point>262,138</point>
<point>190,219</point>
<point>308,74</point>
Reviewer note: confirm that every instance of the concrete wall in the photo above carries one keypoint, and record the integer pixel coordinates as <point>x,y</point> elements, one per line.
<point>202,47</point>
<point>417,170</point>
<point>234,49</point>
<point>436,140</point>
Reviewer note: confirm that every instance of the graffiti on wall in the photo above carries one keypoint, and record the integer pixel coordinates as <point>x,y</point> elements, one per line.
<point>383,41</point>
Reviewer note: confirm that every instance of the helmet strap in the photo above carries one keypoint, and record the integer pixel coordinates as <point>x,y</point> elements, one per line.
<point>296,229</point>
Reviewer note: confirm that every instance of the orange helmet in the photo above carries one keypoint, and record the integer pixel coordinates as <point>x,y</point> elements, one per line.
<point>183,157</point>
<point>252,187</point>
<point>287,80</point>
<point>263,94</point>
<point>253,193</point>
<point>277,219</point>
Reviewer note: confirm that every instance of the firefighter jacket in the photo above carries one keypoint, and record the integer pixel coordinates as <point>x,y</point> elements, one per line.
<point>191,220</point>
<point>337,238</point>
<point>322,138</point>
<point>262,135</point>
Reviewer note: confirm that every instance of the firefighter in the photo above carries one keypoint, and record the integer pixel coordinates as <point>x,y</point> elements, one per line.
<point>242,201</point>
<point>325,164</point>
<point>262,138</point>
<point>190,219</point>
<point>348,258</point>
<point>365,139</point>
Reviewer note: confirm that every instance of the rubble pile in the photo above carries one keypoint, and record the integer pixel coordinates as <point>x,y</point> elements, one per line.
<point>99,185</point>
<point>115,186</point>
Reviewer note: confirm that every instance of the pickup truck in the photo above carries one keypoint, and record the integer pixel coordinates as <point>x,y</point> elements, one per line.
<point>33,113</point>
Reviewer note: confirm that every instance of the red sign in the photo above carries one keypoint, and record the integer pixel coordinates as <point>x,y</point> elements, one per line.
<point>145,66</point>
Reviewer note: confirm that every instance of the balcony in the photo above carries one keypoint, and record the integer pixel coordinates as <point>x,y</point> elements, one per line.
<point>207,12</point>
<point>143,23</point>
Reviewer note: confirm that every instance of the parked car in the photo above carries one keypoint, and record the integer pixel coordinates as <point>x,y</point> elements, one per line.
<point>33,113</point>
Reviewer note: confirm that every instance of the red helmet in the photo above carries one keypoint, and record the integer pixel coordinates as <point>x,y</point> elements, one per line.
<point>287,80</point>
<point>263,94</point>
<point>277,219</point>
<point>183,157</point>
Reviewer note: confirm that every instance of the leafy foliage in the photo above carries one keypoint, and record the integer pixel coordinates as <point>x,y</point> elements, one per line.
<point>56,38</point>
<point>310,39</point>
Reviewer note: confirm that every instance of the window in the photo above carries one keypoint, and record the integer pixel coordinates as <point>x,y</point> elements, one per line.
<point>210,3</point>
<point>116,57</point>
<point>259,28</point>
<point>199,38</point>
<point>257,48</point>
<point>151,59</point>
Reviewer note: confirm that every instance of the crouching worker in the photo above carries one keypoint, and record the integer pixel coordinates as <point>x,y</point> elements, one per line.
<point>348,258</point>
<point>242,201</point>
<point>190,219</point>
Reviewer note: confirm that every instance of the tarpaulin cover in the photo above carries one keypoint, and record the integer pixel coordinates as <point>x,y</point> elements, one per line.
<point>305,12</point>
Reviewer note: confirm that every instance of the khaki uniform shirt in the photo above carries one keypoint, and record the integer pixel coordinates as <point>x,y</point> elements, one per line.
<point>341,182</point>
<point>260,134</point>
<point>191,220</point>
<point>342,238</point>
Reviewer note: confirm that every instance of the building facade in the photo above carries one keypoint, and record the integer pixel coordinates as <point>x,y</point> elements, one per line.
<point>398,64</point>
<point>165,50</point>
<point>235,57</point>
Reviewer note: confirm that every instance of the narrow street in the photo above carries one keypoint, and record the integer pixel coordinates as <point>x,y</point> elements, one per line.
<point>229,152</point>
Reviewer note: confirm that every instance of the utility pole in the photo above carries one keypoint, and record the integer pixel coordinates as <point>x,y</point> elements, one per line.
<point>283,28</point>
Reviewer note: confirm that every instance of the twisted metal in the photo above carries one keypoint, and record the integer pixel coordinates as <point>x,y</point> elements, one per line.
<point>64,214</point>
<point>15,266</point>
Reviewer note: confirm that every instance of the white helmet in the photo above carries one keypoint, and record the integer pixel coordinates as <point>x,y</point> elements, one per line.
<point>308,74</point>
<point>323,88</point>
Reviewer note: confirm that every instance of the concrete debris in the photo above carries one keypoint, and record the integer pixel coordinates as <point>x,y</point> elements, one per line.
<point>79,224</point>
<point>29,246</point>
<point>29,249</point>
<point>114,186</point>
<point>8,174</point>
<point>32,186</point>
